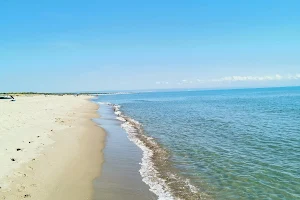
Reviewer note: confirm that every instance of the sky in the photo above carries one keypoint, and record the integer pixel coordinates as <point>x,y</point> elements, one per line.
<point>95,45</point>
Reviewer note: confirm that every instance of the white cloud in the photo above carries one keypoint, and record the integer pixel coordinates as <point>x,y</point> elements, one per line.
<point>161,82</point>
<point>257,78</point>
<point>183,81</point>
<point>276,77</point>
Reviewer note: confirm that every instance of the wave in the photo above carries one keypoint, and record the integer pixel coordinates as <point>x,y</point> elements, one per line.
<point>156,170</point>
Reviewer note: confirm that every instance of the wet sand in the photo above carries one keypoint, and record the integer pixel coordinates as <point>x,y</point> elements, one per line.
<point>120,178</point>
<point>49,148</point>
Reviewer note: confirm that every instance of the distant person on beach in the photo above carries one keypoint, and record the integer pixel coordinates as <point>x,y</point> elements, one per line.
<point>12,98</point>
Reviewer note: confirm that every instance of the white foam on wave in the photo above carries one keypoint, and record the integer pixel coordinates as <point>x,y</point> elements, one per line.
<point>116,110</point>
<point>104,103</point>
<point>148,172</point>
<point>118,113</point>
<point>121,119</point>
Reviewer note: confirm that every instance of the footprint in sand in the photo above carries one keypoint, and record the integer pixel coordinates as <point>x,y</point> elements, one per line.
<point>21,188</point>
<point>19,174</point>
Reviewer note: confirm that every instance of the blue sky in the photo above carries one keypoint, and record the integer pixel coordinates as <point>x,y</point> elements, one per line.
<point>65,45</point>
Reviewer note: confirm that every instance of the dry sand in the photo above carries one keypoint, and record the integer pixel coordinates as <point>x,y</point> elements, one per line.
<point>49,148</point>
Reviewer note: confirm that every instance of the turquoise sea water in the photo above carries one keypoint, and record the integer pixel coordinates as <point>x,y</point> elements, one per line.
<point>229,144</point>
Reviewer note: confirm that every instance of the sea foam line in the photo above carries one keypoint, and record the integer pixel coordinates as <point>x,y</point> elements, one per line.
<point>150,175</point>
<point>148,172</point>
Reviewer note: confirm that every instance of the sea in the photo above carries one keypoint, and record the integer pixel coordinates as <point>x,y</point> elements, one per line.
<point>213,144</point>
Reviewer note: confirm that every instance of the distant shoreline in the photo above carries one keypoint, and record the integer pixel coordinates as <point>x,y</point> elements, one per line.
<point>147,91</point>
<point>49,93</point>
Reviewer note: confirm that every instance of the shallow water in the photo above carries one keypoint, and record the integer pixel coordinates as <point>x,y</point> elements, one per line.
<point>230,144</point>
<point>120,178</point>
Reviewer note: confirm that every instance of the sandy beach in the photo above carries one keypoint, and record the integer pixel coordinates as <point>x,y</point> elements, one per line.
<point>49,148</point>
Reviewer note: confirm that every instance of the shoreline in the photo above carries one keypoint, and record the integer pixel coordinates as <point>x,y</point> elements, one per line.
<point>120,178</point>
<point>157,171</point>
<point>56,147</point>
